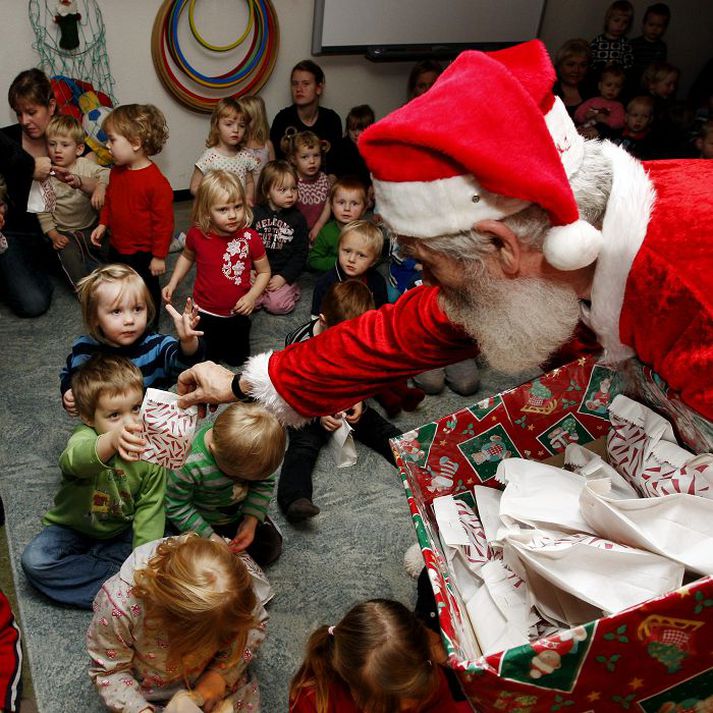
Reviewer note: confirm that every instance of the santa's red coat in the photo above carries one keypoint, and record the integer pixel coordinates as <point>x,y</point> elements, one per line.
<point>650,297</point>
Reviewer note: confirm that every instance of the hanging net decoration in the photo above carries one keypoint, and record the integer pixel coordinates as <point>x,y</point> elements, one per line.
<point>200,91</point>
<point>71,40</point>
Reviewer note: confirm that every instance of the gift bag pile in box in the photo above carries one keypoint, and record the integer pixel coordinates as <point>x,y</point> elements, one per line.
<point>656,657</point>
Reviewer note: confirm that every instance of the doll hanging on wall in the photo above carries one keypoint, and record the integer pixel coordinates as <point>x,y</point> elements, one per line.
<point>68,19</point>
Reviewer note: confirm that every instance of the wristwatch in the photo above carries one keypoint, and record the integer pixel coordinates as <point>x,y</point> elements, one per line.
<point>239,394</point>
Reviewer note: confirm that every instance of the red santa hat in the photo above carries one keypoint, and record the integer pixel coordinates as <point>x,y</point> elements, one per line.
<point>488,139</point>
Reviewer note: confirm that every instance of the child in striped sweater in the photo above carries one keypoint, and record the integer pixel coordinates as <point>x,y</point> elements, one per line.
<point>225,486</point>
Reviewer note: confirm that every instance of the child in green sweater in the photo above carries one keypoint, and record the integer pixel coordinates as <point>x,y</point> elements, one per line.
<point>226,484</point>
<point>348,200</point>
<point>109,501</point>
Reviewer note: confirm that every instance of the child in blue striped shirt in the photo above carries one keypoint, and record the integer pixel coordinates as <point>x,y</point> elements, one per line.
<point>226,484</point>
<point>117,307</point>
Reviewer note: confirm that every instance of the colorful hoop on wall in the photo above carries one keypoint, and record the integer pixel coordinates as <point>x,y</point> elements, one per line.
<point>249,76</point>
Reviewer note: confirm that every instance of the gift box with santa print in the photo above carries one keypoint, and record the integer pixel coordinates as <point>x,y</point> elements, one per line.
<point>652,657</point>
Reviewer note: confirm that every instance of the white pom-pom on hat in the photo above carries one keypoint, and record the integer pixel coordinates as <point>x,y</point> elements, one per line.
<point>569,247</point>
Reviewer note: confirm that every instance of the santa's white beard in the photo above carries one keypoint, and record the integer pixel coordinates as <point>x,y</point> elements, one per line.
<point>517,323</point>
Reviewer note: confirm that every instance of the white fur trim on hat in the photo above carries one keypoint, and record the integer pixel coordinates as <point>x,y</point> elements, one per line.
<point>569,247</point>
<point>427,209</point>
<point>567,140</point>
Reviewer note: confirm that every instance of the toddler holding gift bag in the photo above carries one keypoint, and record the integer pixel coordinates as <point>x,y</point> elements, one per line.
<point>225,486</point>
<point>182,613</point>
<point>117,307</point>
<point>108,501</point>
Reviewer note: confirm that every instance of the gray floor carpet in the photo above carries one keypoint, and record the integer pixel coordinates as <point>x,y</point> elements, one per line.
<point>352,551</point>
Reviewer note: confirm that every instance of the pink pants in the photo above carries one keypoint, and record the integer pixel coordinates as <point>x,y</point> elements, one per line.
<point>281,301</point>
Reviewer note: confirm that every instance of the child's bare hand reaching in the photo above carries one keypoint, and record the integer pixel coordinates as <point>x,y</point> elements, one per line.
<point>211,687</point>
<point>186,323</point>
<point>333,422</point>
<point>353,414</point>
<point>245,535</point>
<point>69,404</point>
<point>127,442</point>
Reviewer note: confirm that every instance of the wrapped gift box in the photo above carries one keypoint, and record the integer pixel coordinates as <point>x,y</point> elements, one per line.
<point>656,657</point>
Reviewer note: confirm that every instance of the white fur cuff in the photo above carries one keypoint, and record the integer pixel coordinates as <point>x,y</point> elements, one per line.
<point>261,388</point>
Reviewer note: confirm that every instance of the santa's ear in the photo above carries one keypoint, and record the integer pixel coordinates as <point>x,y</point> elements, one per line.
<point>508,251</point>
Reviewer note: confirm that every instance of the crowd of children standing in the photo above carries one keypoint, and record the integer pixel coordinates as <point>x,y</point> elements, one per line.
<point>269,203</point>
<point>624,89</point>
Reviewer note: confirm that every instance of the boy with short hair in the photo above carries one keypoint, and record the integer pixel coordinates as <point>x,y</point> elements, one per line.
<point>78,197</point>
<point>635,137</point>
<point>360,246</point>
<point>649,47</point>
<point>109,501</point>
<point>348,201</point>
<point>226,484</point>
<point>344,300</point>
<point>358,250</point>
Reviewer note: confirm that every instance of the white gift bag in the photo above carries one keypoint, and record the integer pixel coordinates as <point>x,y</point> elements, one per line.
<point>580,460</point>
<point>605,574</point>
<point>500,610</point>
<point>168,429</point>
<point>678,526</point>
<point>540,496</point>
<point>341,445</point>
<point>642,447</point>
<point>41,198</point>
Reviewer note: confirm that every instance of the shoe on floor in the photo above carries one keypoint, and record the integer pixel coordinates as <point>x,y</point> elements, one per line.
<point>178,243</point>
<point>301,509</point>
<point>413,398</point>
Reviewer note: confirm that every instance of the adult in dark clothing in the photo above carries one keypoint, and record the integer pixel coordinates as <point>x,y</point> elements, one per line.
<point>23,157</point>
<point>305,113</point>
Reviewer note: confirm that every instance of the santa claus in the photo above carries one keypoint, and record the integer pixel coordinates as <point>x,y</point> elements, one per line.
<point>523,228</point>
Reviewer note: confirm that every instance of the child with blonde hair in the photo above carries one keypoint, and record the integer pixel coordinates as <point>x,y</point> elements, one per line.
<point>358,250</point>
<point>605,110</point>
<point>225,250</point>
<point>257,141</point>
<point>79,193</point>
<point>180,620</point>
<point>360,246</point>
<point>348,202</point>
<point>98,517</point>
<point>378,659</point>
<point>226,484</point>
<point>225,144</point>
<point>611,46</point>
<point>304,151</point>
<point>284,234</point>
<point>116,308</point>
<point>138,208</point>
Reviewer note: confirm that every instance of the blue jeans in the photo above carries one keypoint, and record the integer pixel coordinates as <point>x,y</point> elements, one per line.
<point>23,283</point>
<point>69,567</point>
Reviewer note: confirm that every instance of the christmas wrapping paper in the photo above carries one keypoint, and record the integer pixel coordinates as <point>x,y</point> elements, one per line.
<point>652,658</point>
<point>168,429</point>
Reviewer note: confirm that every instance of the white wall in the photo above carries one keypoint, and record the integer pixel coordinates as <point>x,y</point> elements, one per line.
<point>351,79</point>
